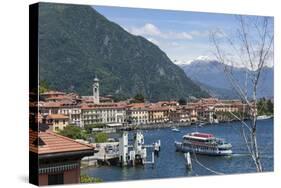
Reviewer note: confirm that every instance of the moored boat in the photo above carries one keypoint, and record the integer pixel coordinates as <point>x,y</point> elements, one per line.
<point>263,117</point>
<point>174,129</point>
<point>201,124</point>
<point>203,143</point>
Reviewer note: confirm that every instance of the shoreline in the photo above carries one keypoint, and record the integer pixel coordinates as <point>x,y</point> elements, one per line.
<point>168,125</point>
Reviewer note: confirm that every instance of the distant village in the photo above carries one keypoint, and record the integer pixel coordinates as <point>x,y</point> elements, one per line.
<point>59,109</point>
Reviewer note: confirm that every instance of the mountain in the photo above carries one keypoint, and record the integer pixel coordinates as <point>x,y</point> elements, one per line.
<point>210,75</point>
<point>216,92</point>
<point>76,43</point>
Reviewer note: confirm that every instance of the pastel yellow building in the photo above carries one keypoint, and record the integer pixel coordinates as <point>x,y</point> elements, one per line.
<point>57,122</point>
<point>158,114</point>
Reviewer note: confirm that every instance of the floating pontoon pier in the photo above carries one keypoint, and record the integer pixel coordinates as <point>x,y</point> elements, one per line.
<point>136,154</point>
<point>124,154</point>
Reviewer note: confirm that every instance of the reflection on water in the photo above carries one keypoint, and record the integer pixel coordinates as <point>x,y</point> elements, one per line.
<point>172,164</point>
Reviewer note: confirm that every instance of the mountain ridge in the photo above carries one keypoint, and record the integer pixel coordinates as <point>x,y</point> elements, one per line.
<point>76,43</point>
<point>210,74</point>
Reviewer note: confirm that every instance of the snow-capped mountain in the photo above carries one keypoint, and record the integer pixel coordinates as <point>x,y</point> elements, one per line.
<point>210,75</point>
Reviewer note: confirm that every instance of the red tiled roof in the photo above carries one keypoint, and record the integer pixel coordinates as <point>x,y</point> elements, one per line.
<point>137,106</point>
<point>60,97</point>
<point>167,102</point>
<point>53,92</point>
<point>53,143</point>
<point>103,106</point>
<point>51,104</point>
<point>157,108</point>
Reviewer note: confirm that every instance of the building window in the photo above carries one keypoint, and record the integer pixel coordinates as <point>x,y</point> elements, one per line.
<point>54,179</point>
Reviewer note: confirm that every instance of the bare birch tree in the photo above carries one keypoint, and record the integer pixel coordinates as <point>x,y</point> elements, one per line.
<point>250,47</point>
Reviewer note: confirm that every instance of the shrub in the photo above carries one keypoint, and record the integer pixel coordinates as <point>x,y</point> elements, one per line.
<point>89,179</point>
<point>100,137</point>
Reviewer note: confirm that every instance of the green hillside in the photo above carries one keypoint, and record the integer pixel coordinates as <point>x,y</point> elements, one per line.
<point>76,43</point>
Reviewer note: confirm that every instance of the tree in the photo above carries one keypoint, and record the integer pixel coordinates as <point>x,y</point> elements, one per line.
<point>270,107</point>
<point>101,137</point>
<point>43,86</point>
<point>138,98</point>
<point>88,128</point>
<point>73,132</point>
<point>182,101</point>
<point>249,47</point>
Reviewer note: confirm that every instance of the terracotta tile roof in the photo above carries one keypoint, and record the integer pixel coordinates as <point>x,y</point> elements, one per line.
<point>60,97</point>
<point>138,106</point>
<point>56,116</point>
<point>157,108</point>
<point>167,102</point>
<point>103,106</point>
<point>50,142</point>
<point>53,93</point>
<point>51,104</point>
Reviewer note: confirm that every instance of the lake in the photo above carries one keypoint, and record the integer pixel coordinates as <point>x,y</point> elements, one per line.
<point>172,164</point>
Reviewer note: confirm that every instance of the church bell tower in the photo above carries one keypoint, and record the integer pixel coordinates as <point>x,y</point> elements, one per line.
<point>96,93</point>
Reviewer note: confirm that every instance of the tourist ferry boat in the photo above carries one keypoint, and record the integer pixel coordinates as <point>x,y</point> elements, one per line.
<point>203,143</point>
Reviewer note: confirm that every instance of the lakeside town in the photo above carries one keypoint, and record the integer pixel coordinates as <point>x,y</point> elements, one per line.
<point>83,126</point>
<point>59,109</point>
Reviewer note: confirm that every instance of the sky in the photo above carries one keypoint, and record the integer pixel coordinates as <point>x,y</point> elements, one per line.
<point>182,35</point>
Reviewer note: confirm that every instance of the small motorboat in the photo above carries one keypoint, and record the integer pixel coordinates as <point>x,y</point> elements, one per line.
<point>263,117</point>
<point>174,129</point>
<point>201,124</point>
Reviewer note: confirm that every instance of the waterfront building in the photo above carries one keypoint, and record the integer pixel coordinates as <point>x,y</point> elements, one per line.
<point>206,113</point>
<point>69,109</point>
<point>192,113</point>
<point>137,113</point>
<point>103,113</point>
<point>158,114</point>
<point>55,158</point>
<point>73,112</point>
<point>226,107</point>
<point>179,114</point>
<point>57,122</point>
<point>46,108</point>
<point>225,110</point>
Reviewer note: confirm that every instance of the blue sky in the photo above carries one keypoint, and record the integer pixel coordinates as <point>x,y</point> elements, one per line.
<point>182,35</point>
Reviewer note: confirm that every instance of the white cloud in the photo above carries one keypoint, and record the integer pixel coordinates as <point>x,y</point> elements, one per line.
<point>151,30</point>
<point>199,33</point>
<point>180,35</point>
<point>147,29</point>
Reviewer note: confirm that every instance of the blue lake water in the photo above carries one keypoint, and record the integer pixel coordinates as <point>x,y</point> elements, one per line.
<point>172,164</point>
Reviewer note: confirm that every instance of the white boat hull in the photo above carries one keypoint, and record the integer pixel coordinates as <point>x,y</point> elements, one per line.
<point>184,149</point>
<point>263,117</point>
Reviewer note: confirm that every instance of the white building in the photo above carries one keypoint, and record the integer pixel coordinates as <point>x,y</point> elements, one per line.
<point>103,113</point>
